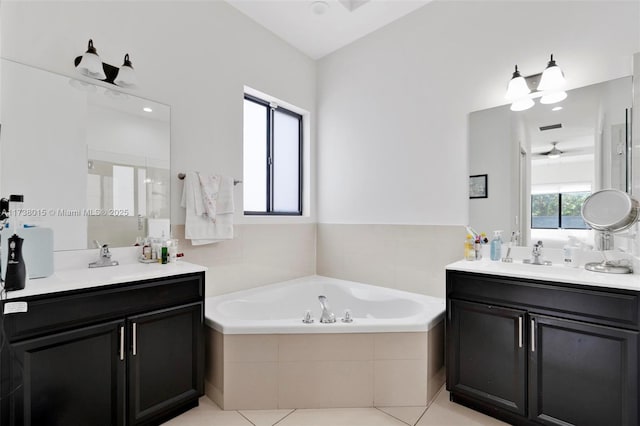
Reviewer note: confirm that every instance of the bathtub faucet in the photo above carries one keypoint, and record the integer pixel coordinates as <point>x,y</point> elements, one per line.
<point>327,316</point>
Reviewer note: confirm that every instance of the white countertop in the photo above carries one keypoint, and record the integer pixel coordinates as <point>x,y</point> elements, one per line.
<point>77,279</point>
<point>556,273</point>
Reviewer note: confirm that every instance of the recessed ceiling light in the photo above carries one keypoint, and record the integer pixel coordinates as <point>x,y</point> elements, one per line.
<point>147,109</point>
<point>319,7</point>
<point>558,108</point>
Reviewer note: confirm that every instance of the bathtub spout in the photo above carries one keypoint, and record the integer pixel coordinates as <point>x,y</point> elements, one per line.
<point>327,316</point>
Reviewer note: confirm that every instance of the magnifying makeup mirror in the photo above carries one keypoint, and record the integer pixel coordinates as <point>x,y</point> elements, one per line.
<point>608,211</point>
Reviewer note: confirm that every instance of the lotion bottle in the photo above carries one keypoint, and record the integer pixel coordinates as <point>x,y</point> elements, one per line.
<point>570,253</point>
<point>469,252</point>
<point>496,246</point>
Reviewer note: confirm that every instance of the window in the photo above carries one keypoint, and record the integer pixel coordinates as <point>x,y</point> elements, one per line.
<point>272,159</point>
<point>558,210</point>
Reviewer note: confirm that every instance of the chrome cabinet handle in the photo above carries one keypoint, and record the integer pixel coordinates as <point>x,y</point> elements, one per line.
<point>533,335</point>
<point>519,332</point>
<point>122,343</point>
<point>135,339</point>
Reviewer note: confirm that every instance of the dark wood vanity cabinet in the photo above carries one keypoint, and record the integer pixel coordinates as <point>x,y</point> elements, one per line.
<point>536,352</point>
<point>127,354</point>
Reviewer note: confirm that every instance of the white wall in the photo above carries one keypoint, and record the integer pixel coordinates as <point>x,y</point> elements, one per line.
<point>194,56</point>
<point>490,153</point>
<point>133,139</point>
<point>393,106</point>
<point>54,147</point>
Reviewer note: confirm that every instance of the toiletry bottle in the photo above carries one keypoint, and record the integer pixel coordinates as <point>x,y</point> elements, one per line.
<point>469,252</point>
<point>16,202</point>
<point>173,250</point>
<point>496,246</point>
<point>570,253</point>
<point>477,247</point>
<point>146,251</point>
<point>165,252</point>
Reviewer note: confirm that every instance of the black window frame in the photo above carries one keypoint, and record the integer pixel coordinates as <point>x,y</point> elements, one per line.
<point>559,197</point>
<point>270,109</point>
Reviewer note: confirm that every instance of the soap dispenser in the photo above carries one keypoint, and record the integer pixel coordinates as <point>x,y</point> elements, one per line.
<point>16,270</point>
<point>496,246</point>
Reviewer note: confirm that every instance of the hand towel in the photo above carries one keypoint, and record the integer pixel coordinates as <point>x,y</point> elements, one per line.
<point>200,228</point>
<point>224,203</point>
<point>209,185</point>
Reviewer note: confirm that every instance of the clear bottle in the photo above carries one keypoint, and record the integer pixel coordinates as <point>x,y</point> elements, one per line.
<point>570,253</point>
<point>469,252</point>
<point>496,246</point>
<point>16,206</point>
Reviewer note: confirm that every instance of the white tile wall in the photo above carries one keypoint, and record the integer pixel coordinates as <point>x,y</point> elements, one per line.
<point>405,257</point>
<point>258,255</point>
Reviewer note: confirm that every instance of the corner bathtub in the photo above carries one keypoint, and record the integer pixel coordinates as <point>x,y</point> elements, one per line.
<point>280,308</point>
<point>260,355</point>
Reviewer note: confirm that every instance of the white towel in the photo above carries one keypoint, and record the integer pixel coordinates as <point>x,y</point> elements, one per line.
<point>210,185</point>
<point>199,227</point>
<point>224,202</point>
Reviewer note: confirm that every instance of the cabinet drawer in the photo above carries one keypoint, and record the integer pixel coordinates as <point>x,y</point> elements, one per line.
<point>607,306</point>
<point>62,311</point>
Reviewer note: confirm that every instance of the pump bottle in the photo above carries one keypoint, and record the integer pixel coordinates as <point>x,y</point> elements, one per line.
<point>496,246</point>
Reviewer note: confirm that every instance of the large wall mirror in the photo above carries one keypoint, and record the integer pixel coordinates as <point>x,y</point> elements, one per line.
<point>91,162</point>
<point>543,162</point>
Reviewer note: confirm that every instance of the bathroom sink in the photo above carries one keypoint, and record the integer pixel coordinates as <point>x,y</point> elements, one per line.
<point>527,270</point>
<point>122,272</point>
<point>553,269</point>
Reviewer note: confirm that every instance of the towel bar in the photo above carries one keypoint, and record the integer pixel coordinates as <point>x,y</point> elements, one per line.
<point>181,176</point>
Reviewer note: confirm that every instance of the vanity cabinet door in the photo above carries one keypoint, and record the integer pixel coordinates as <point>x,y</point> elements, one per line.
<point>582,374</point>
<point>166,361</point>
<point>69,378</point>
<point>487,354</point>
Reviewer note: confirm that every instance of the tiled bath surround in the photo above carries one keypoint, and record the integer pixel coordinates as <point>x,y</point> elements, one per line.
<point>404,257</point>
<point>258,255</point>
<point>324,370</point>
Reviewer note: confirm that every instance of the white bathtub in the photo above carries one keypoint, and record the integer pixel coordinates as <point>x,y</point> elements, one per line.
<point>260,355</point>
<point>279,308</point>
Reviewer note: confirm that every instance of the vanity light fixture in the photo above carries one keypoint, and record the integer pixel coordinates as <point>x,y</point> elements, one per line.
<point>550,88</point>
<point>518,87</point>
<point>522,104</point>
<point>552,78</point>
<point>91,65</point>
<point>126,75</point>
<point>553,97</point>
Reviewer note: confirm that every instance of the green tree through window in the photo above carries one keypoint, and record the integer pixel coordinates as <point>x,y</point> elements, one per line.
<point>558,210</point>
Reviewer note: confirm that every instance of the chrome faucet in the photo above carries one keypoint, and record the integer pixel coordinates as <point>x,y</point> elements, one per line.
<point>104,259</point>
<point>537,252</point>
<point>327,316</point>
<point>536,255</point>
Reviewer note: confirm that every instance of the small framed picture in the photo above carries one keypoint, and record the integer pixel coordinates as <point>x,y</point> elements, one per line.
<point>478,186</point>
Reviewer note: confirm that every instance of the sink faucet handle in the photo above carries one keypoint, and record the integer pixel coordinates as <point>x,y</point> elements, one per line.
<point>537,249</point>
<point>104,251</point>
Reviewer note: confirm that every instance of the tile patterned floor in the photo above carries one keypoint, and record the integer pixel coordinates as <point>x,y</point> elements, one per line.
<point>441,413</point>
